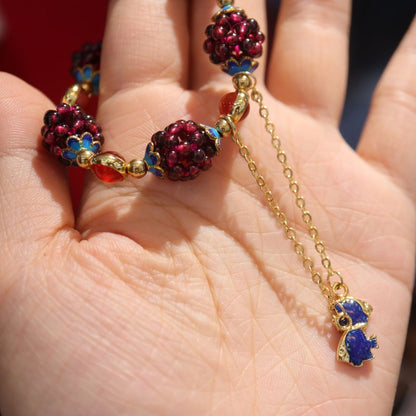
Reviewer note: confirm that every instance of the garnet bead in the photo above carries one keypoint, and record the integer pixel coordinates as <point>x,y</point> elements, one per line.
<point>219,32</point>
<point>199,156</point>
<point>253,25</point>
<point>233,36</point>
<point>236,17</point>
<point>63,122</point>
<point>191,127</point>
<point>208,30</point>
<point>209,45</point>
<point>61,130</point>
<point>51,117</point>
<point>186,150</point>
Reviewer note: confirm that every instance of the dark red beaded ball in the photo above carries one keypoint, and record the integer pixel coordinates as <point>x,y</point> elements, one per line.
<point>185,150</point>
<point>66,121</point>
<point>233,35</point>
<point>90,54</point>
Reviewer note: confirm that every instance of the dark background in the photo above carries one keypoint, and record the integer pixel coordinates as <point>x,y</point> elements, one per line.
<point>36,38</point>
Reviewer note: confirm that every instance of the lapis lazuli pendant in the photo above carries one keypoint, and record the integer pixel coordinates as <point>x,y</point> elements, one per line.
<point>350,316</point>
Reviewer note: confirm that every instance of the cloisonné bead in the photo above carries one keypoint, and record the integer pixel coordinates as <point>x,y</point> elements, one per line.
<point>89,54</point>
<point>65,123</point>
<point>86,66</point>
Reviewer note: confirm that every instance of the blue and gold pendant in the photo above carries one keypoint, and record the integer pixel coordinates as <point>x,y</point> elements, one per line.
<point>350,316</point>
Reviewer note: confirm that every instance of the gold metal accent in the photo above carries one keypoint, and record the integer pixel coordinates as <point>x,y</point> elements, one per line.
<point>343,317</point>
<point>330,290</point>
<point>136,168</point>
<point>342,353</point>
<point>87,88</point>
<point>281,217</point>
<point>112,161</point>
<point>339,317</point>
<point>244,81</point>
<point>223,125</point>
<point>155,167</point>
<point>240,106</point>
<point>334,286</point>
<point>223,3</point>
<point>214,138</point>
<point>72,93</point>
<point>230,9</point>
<point>84,158</point>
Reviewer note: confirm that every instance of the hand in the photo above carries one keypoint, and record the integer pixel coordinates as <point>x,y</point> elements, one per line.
<point>163,298</point>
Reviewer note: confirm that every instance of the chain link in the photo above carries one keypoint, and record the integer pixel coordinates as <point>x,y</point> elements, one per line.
<point>290,232</point>
<point>333,287</point>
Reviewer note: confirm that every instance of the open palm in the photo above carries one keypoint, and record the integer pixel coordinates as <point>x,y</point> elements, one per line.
<point>164,298</point>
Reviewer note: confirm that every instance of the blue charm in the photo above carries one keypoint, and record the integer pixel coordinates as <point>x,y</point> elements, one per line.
<point>76,144</point>
<point>152,160</point>
<point>351,316</point>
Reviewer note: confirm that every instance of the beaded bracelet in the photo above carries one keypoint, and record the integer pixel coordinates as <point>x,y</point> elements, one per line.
<point>184,149</point>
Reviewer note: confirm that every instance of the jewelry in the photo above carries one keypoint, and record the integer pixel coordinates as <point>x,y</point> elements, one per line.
<point>184,149</point>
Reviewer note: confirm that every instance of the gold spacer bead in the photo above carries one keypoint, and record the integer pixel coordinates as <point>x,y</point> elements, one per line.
<point>72,94</point>
<point>84,158</point>
<point>242,81</point>
<point>137,168</point>
<point>224,127</point>
<point>78,94</point>
<point>87,88</point>
<point>223,3</point>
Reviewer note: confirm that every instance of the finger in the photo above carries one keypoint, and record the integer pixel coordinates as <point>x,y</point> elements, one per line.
<point>309,60</point>
<point>203,71</point>
<point>389,136</point>
<point>144,41</point>
<point>35,201</point>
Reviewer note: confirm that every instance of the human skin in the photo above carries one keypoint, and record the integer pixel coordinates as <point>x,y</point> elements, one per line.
<point>161,298</point>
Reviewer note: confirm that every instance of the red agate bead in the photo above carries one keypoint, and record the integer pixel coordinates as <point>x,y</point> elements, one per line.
<point>107,174</point>
<point>109,167</point>
<point>227,102</point>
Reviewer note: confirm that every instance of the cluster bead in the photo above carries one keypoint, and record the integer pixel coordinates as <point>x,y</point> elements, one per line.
<point>233,36</point>
<point>64,122</point>
<point>90,54</point>
<point>185,149</point>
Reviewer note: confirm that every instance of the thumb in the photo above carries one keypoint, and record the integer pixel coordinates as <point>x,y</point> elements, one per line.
<point>35,202</point>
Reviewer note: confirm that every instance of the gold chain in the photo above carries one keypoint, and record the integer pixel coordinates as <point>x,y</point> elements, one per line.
<point>334,286</point>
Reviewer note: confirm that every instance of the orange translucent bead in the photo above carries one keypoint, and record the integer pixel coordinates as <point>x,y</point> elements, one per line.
<point>226,104</point>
